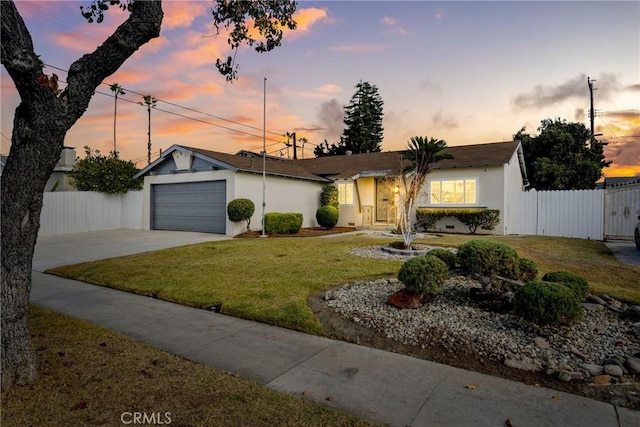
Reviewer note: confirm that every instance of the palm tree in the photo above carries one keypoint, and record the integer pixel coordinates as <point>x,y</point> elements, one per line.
<point>117,90</point>
<point>422,153</point>
<point>150,101</point>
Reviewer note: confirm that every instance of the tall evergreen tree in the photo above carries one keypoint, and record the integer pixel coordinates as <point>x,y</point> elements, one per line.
<point>363,124</point>
<point>363,120</point>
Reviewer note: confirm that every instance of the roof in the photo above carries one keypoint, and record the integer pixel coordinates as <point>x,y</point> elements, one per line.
<point>329,168</point>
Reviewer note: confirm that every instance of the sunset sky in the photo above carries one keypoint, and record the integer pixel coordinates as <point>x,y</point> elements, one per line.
<point>465,72</point>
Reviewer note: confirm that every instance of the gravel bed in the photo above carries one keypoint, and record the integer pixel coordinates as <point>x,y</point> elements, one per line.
<point>454,320</point>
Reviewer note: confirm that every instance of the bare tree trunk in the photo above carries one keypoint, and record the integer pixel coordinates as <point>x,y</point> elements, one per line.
<point>41,122</point>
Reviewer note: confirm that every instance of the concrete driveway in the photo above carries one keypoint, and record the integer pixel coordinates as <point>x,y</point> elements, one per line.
<point>625,252</point>
<point>54,251</point>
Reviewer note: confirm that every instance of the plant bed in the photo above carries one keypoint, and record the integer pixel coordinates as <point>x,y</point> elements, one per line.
<point>453,330</point>
<point>304,232</point>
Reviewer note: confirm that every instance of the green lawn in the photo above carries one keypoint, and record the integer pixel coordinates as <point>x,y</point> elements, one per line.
<point>269,279</point>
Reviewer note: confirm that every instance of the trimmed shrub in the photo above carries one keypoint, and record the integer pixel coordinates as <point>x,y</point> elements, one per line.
<point>329,196</point>
<point>397,244</point>
<point>572,281</point>
<point>487,258</point>
<point>547,303</point>
<point>282,223</point>
<point>423,274</point>
<point>445,256</point>
<point>327,216</point>
<point>528,270</point>
<point>241,210</point>
<point>486,219</point>
<point>427,218</point>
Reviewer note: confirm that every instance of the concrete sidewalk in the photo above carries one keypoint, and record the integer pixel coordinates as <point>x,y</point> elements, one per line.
<point>376,385</point>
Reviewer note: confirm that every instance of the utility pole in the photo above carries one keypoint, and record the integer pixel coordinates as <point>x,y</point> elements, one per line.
<point>592,114</point>
<point>295,149</point>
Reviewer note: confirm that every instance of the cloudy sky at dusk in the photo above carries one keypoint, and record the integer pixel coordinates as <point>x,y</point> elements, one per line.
<point>465,72</point>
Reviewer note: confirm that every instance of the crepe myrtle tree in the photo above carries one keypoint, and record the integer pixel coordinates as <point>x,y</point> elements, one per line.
<point>45,115</point>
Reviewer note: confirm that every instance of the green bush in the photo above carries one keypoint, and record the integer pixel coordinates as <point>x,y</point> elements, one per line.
<point>547,303</point>
<point>528,270</point>
<point>241,210</point>
<point>423,274</point>
<point>486,219</point>
<point>327,216</point>
<point>445,256</point>
<point>427,218</point>
<point>329,196</point>
<point>397,244</point>
<point>282,223</point>
<point>487,258</point>
<point>572,281</point>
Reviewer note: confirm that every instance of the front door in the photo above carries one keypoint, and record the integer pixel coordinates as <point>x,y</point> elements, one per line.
<point>384,200</point>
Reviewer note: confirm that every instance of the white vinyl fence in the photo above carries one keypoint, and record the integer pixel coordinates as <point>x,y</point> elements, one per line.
<point>81,211</point>
<point>622,207</point>
<point>573,213</point>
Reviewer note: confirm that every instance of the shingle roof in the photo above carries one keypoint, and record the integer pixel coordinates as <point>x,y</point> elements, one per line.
<point>326,169</point>
<point>285,168</point>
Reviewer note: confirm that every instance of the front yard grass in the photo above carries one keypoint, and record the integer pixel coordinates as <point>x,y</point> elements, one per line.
<point>92,376</point>
<point>270,279</point>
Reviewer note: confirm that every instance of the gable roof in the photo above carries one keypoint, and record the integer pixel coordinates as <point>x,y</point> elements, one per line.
<point>329,168</point>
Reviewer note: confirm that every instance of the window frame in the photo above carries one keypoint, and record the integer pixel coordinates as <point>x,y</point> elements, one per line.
<point>464,195</point>
<point>344,186</point>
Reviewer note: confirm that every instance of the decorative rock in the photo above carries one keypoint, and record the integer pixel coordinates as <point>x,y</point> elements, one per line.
<point>636,329</point>
<point>564,376</point>
<point>593,369</point>
<point>596,299</point>
<point>565,367</point>
<point>613,370</point>
<point>602,379</point>
<point>406,299</point>
<point>541,343</point>
<point>606,297</point>
<point>576,376</point>
<point>632,312</point>
<point>633,364</point>
<point>526,364</point>
<point>592,307</point>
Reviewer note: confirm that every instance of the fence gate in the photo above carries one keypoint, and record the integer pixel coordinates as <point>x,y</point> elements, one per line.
<point>621,210</point>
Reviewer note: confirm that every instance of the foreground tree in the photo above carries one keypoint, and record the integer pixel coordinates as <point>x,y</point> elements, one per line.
<point>422,153</point>
<point>45,115</point>
<point>105,174</point>
<point>562,156</point>
<point>363,132</point>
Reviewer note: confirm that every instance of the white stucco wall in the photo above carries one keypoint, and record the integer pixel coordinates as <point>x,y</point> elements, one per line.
<point>513,183</point>
<point>282,195</point>
<point>491,195</point>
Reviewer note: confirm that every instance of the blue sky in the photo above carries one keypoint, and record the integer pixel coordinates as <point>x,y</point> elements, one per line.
<point>466,72</point>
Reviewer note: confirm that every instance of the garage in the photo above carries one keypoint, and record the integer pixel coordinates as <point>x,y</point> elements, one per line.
<point>190,206</point>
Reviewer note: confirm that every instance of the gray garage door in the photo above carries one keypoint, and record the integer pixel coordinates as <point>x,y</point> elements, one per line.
<point>192,206</point>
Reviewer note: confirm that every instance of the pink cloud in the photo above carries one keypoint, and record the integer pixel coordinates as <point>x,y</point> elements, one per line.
<point>359,48</point>
<point>181,14</point>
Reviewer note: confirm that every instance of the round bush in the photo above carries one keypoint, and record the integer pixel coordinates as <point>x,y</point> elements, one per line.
<point>487,258</point>
<point>445,256</point>
<point>327,217</point>
<point>528,270</point>
<point>572,281</point>
<point>241,210</point>
<point>423,274</point>
<point>547,303</point>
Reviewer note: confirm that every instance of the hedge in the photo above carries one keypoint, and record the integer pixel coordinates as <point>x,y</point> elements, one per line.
<point>486,219</point>
<point>282,223</point>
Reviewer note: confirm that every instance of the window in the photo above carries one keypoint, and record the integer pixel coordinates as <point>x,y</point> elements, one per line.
<point>345,193</point>
<point>453,191</point>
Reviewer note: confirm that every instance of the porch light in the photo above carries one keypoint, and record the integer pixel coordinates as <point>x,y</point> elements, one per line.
<point>396,189</point>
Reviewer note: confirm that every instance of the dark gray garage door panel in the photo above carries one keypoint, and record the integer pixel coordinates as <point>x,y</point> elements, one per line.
<point>191,206</point>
